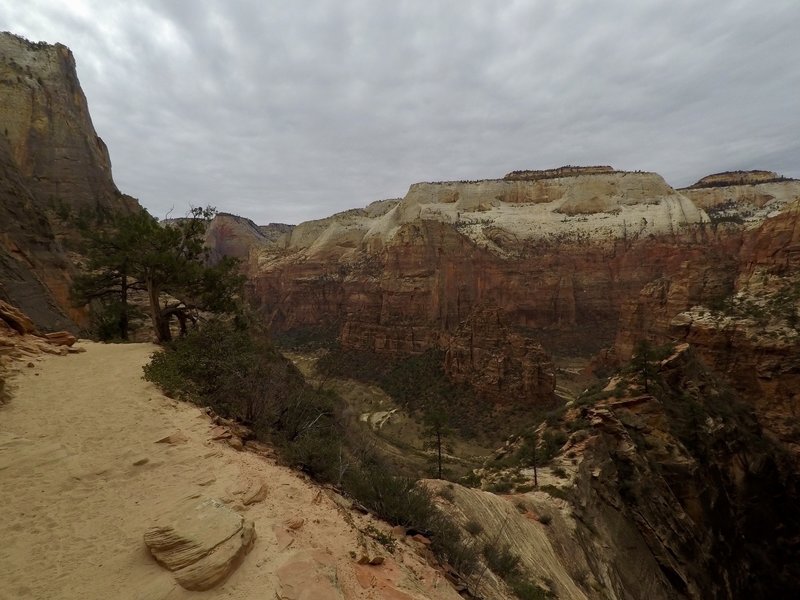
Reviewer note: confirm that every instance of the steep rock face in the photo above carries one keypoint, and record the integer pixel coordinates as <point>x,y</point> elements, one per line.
<point>738,201</point>
<point>52,163</point>
<point>740,310</point>
<point>672,494</point>
<point>689,467</point>
<point>234,236</point>
<point>557,255</point>
<point>498,363</point>
<point>34,270</point>
<point>45,119</point>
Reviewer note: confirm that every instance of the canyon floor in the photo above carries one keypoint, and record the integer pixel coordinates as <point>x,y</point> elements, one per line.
<point>82,478</point>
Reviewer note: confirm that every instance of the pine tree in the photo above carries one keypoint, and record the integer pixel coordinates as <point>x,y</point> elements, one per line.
<point>437,430</point>
<point>644,363</point>
<point>169,262</point>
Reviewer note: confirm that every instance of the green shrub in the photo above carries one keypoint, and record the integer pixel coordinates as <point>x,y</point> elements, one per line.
<point>239,374</point>
<point>419,384</point>
<point>473,527</point>
<point>471,479</point>
<point>526,590</point>
<point>554,491</point>
<point>500,487</point>
<point>501,560</point>
<point>384,539</point>
<point>446,494</point>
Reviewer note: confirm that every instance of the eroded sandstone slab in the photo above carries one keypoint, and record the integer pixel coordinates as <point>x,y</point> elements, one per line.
<point>201,541</point>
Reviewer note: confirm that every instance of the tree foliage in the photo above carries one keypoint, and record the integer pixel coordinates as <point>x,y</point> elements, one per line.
<point>167,262</point>
<point>437,429</point>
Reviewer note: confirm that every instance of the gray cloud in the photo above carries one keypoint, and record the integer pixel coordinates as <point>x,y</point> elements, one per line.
<point>287,111</point>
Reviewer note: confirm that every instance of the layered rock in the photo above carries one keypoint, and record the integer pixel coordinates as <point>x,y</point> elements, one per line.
<point>557,255</point>
<point>740,310</point>
<point>736,178</point>
<point>498,363</point>
<point>743,197</point>
<point>45,118</point>
<point>669,494</point>
<point>201,541</point>
<point>234,236</point>
<point>54,169</point>
<point>20,340</point>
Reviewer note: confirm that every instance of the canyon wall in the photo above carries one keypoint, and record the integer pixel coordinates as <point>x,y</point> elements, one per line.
<point>556,256</point>
<point>55,170</point>
<point>577,261</point>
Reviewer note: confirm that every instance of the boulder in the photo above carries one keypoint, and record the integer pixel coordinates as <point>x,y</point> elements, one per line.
<point>201,541</point>
<point>60,338</point>
<point>15,318</point>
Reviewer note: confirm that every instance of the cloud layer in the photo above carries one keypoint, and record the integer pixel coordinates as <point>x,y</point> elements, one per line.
<point>288,111</point>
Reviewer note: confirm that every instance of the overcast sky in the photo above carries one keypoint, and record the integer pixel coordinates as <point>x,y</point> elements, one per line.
<point>288,110</point>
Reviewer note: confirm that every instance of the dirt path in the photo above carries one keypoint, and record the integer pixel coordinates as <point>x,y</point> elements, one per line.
<point>75,503</point>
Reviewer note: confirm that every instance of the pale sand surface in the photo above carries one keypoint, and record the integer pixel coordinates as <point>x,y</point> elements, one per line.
<point>74,506</point>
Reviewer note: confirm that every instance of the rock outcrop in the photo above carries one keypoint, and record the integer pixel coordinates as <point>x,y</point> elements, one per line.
<point>675,493</point>
<point>234,236</point>
<point>201,541</point>
<point>499,364</point>
<point>740,310</point>
<point>54,170</point>
<point>556,255</point>
<point>19,338</point>
<point>556,252</point>
<point>743,198</point>
<point>736,178</point>
<point>45,120</point>
<point>15,319</point>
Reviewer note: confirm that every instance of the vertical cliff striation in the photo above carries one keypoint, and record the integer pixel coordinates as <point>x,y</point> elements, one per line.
<point>55,170</point>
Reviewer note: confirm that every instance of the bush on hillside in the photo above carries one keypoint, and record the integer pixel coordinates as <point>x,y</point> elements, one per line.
<point>236,372</point>
<point>419,384</point>
<point>240,375</point>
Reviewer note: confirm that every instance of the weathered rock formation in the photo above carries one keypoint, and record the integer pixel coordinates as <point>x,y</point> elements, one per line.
<point>743,197</point>
<point>45,119</point>
<point>230,235</point>
<point>670,494</point>
<point>557,252</point>
<point>19,338</point>
<point>54,169</point>
<point>557,255</point>
<point>498,363</point>
<point>201,541</point>
<point>736,178</point>
<point>740,310</point>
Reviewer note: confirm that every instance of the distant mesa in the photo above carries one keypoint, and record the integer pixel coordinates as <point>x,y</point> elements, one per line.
<point>565,171</point>
<point>729,178</point>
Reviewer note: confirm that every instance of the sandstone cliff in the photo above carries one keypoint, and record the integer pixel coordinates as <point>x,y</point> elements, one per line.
<point>55,169</point>
<point>557,254</point>
<point>741,311</point>
<point>664,495</point>
<point>231,235</point>
<point>45,119</point>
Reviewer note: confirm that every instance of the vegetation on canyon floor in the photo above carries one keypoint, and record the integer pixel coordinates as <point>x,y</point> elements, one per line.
<point>233,368</point>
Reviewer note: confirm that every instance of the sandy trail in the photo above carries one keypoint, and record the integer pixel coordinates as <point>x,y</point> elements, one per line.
<point>75,506</point>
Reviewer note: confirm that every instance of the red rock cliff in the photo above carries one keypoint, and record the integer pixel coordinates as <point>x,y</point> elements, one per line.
<point>54,168</point>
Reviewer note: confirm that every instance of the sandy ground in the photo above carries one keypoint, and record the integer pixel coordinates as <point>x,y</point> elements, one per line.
<point>75,506</point>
